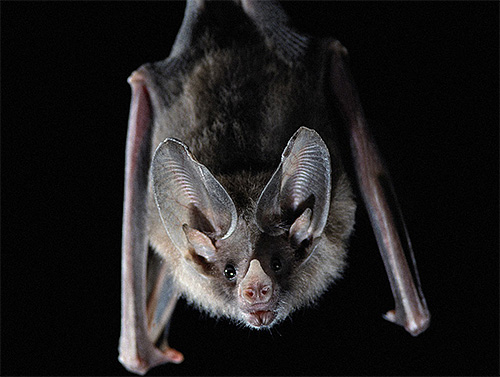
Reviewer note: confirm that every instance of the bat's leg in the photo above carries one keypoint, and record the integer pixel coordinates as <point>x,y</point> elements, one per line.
<point>380,200</point>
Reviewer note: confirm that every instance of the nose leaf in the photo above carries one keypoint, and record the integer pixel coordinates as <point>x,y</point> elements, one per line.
<point>256,287</point>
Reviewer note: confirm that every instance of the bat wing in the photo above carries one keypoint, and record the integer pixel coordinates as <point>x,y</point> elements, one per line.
<point>148,297</point>
<point>380,200</point>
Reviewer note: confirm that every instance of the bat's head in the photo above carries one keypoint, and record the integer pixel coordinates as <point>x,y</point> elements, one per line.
<point>276,250</point>
<point>246,278</point>
<point>256,278</point>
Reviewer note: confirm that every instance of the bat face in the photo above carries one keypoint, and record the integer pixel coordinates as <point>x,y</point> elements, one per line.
<point>250,278</point>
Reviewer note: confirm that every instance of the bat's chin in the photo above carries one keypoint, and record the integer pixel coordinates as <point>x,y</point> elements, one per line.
<point>260,319</point>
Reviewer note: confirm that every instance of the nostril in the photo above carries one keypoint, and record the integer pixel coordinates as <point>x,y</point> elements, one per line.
<point>265,290</point>
<point>249,294</point>
<point>257,293</point>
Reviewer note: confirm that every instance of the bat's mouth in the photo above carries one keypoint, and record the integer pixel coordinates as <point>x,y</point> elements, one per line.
<point>261,318</point>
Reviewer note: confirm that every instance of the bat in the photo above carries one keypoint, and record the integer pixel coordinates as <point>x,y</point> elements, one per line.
<point>237,195</point>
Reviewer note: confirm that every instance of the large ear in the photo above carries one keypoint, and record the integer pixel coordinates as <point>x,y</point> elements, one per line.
<point>298,194</point>
<point>189,198</point>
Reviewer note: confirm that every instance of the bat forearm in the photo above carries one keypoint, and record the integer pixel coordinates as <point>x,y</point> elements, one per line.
<point>381,202</point>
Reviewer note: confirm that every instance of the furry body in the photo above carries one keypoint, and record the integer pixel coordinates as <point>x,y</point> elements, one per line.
<point>235,108</point>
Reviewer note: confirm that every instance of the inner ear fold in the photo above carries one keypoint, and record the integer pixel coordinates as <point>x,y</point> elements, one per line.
<point>200,243</point>
<point>300,230</point>
<point>298,193</point>
<point>186,193</point>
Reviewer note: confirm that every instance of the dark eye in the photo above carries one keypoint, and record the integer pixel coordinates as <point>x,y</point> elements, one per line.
<point>276,264</point>
<point>230,272</point>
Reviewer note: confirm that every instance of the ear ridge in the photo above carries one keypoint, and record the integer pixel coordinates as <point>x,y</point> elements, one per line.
<point>302,180</point>
<point>186,192</point>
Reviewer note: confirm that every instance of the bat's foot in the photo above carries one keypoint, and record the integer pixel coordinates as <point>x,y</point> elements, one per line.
<point>414,326</point>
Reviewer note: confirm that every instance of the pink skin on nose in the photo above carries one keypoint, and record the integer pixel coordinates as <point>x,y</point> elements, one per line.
<point>255,296</point>
<point>257,293</point>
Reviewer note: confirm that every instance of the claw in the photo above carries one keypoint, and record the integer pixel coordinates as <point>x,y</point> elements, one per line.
<point>414,325</point>
<point>141,365</point>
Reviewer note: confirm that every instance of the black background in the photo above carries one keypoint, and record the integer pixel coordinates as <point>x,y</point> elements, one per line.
<point>428,78</point>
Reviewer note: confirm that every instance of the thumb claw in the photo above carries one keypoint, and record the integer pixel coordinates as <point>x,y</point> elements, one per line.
<point>173,356</point>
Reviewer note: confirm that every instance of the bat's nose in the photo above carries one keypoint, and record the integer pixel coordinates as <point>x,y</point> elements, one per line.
<point>257,293</point>
<point>256,287</point>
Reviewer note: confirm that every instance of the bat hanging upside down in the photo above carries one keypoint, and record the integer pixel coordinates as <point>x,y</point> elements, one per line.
<point>234,178</point>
